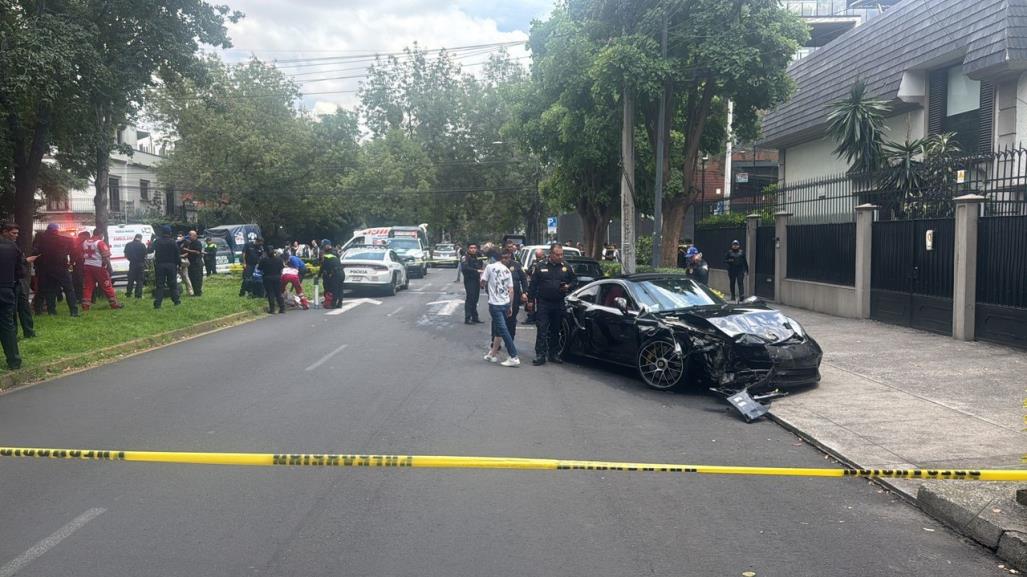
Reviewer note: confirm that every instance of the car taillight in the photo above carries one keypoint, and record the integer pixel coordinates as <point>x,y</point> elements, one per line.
<point>378,267</point>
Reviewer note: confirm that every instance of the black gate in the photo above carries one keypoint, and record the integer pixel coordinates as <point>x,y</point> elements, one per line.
<point>911,273</point>
<point>764,266</point>
<point>1001,315</point>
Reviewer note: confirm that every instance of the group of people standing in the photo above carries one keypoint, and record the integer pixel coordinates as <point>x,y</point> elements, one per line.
<point>541,290</point>
<point>270,273</point>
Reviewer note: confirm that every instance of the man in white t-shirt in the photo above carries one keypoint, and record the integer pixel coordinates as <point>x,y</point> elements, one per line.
<point>499,282</point>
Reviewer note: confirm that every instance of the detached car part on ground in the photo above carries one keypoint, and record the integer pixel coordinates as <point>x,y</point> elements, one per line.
<point>678,333</point>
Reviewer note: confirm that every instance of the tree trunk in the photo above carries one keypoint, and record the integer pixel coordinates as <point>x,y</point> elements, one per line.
<point>598,239</point>
<point>673,221</point>
<point>28,160</point>
<point>100,198</point>
<point>588,226</point>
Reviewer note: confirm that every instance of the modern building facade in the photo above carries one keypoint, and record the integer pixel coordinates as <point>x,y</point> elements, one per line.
<point>943,66</point>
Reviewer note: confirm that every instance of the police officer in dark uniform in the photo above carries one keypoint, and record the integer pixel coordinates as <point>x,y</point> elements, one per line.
<point>10,275</point>
<point>54,254</point>
<point>471,266</point>
<point>333,274</point>
<point>251,255</point>
<point>165,263</point>
<point>135,254</point>
<point>550,283</point>
<point>9,233</point>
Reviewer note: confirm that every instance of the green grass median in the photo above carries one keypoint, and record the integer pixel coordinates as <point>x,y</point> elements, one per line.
<point>138,326</point>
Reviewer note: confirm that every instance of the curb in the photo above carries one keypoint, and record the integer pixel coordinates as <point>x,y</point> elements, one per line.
<point>39,373</point>
<point>967,514</point>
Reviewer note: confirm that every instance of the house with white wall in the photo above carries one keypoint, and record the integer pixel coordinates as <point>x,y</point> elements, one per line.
<point>134,191</point>
<point>943,66</point>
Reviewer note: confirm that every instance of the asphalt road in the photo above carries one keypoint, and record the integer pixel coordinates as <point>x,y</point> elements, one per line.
<point>411,379</point>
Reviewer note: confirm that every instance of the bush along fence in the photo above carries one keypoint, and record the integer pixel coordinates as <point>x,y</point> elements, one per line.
<point>946,254</point>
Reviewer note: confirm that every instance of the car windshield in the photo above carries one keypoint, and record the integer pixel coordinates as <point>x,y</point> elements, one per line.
<point>404,244</point>
<point>362,254</point>
<point>586,269</point>
<point>673,293</point>
<point>444,247</point>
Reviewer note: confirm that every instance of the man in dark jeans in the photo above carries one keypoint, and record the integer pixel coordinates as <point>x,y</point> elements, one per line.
<point>10,271</point>
<point>54,254</point>
<point>251,255</point>
<point>737,268</point>
<point>471,267</point>
<point>9,233</point>
<point>135,254</point>
<point>165,264</point>
<point>194,249</point>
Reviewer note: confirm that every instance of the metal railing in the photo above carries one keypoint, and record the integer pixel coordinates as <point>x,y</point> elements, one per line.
<point>928,191</point>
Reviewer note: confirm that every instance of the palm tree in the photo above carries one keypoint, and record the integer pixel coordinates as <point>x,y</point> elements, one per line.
<point>857,124</point>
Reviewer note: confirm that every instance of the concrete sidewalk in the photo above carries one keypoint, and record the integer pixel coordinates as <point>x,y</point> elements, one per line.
<point>892,397</point>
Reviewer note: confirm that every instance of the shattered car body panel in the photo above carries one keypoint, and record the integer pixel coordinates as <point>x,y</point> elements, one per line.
<point>678,333</point>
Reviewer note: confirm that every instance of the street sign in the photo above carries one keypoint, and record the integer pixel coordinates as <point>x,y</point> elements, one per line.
<point>551,224</point>
<point>742,177</point>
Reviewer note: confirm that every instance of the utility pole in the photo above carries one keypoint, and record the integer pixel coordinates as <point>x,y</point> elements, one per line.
<point>627,185</point>
<point>727,156</point>
<point>661,127</point>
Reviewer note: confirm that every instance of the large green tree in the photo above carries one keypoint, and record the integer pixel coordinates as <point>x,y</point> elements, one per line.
<point>561,121</point>
<point>717,50</point>
<point>242,142</point>
<point>134,44</point>
<point>44,59</point>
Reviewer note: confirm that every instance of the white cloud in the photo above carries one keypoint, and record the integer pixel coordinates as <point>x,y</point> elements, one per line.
<point>308,29</point>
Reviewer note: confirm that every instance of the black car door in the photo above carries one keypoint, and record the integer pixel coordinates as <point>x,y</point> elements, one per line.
<point>613,332</point>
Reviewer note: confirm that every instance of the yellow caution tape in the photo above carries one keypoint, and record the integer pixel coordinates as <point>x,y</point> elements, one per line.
<point>443,462</point>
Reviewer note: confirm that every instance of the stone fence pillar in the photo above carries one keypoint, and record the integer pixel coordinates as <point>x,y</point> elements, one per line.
<point>751,222</point>
<point>864,252</point>
<point>781,253</point>
<point>964,287</point>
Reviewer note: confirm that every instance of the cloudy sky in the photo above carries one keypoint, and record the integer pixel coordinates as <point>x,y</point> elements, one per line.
<point>344,30</point>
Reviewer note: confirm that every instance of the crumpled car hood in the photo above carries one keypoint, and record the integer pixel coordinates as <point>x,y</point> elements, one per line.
<point>767,324</point>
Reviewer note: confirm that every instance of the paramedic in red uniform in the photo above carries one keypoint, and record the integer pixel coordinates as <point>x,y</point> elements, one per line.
<point>96,255</point>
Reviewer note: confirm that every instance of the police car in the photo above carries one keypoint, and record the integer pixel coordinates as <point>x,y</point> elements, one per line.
<point>374,267</point>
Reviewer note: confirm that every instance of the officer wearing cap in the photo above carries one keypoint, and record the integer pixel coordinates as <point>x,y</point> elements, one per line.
<point>550,283</point>
<point>696,267</point>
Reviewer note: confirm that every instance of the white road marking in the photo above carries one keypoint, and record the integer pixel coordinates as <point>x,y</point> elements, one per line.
<point>394,312</point>
<point>322,361</point>
<point>39,549</point>
<point>350,304</point>
<point>448,307</point>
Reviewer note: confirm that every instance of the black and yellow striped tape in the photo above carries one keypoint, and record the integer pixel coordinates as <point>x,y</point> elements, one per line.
<point>448,462</point>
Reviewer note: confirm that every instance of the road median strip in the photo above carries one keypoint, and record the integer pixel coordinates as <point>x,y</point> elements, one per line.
<point>465,462</point>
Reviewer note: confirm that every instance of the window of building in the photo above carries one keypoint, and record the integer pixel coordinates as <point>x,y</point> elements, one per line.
<point>144,190</point>
<point>57,203</point>
<point>114,193</point>
<point>169,201</point>
<point>963,106</point>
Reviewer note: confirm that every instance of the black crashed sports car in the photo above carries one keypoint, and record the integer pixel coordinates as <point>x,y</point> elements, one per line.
<point>677,332</point>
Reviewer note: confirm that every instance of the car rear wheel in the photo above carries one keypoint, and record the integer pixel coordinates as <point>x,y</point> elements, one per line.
<point>660,366</point>
<point>391,289</point>
<point>406,282</point>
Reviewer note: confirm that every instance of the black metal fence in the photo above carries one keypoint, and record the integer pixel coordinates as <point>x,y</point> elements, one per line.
<point>763,268</point>
<point>926,190</point>
<point>714,243</point>
<point>823,253</point>
<point>1002,261</point>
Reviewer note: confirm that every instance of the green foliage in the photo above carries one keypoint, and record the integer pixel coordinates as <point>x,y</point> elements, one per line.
<point>256,159</point>
<point>857,124</point>
<point>916,170</point>
<point>644,250</point>
<point>744,61</point>
<point>733,219</point>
